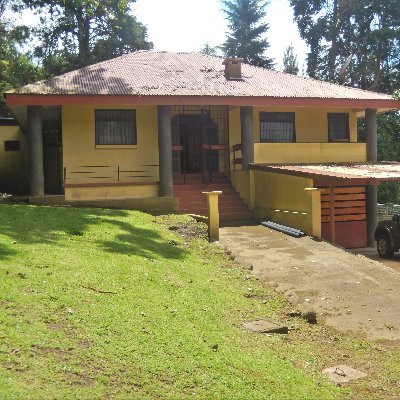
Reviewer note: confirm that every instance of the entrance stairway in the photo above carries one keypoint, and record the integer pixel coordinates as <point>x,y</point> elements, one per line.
<point>192,201</point>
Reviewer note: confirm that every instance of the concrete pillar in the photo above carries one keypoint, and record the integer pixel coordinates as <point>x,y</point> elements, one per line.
<point>246,123</point>
<point>371,131</point>
<point>213,215</point>
<point>372,191</point>
<point>36,150</point>
<point>165,151</point>
<point>372,213</point>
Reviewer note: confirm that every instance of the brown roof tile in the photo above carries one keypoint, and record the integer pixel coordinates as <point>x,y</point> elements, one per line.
<point>146,73</point>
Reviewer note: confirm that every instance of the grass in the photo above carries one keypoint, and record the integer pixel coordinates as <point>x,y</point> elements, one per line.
<point>98,304</point>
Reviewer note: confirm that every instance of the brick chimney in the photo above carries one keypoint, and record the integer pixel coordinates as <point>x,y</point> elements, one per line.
<point>233,68</point>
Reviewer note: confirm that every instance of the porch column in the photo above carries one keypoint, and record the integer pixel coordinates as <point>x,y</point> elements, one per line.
<point>36,151</point>
<point>246,123</point>
<point>372,156</point>
<point>165,151</point>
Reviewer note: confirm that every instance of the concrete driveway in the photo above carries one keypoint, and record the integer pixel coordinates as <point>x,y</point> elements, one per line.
<point>348,291</point>
<point>372,254</point>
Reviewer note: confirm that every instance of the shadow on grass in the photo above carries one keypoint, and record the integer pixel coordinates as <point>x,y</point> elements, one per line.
<point>142,242</point>
<point>52,225</point>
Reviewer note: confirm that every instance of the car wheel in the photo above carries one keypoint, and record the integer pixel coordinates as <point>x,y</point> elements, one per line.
<point>384,247</point>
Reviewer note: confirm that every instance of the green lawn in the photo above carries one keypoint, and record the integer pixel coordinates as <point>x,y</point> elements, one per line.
<point>98,304</point>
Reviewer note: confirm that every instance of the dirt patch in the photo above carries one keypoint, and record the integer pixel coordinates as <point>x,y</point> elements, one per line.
<point>186,227</point>
<point>60,354</point>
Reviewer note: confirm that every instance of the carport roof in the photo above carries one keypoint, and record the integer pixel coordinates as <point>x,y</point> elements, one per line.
<point>371,173</point>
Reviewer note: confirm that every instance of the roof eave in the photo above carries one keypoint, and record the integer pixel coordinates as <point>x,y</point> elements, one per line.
<point>14,99</point>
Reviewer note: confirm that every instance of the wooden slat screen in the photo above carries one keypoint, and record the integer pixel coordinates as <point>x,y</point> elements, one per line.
<point>349,204</point>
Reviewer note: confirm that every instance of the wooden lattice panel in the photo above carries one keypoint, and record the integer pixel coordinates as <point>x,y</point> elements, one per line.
<point>348,202</point>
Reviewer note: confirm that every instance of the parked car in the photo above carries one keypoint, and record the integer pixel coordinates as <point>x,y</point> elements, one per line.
<point>387,236</point>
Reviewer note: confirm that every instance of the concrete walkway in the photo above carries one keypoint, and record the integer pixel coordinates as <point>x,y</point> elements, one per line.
<point>348,291</point>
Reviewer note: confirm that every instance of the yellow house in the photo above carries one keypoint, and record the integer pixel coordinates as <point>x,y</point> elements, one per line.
<point>154,129</point>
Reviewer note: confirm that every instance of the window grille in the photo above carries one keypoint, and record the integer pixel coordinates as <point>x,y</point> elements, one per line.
<point>338,127</point>
<point>277,127</point>
<point>115,127</point>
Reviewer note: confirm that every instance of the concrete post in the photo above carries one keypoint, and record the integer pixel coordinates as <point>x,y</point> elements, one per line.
<point>213,215</point>
<point>371,130</point>
<point>36,150</point>
<point>165,151</point>
<point>315,211</point>
<point>246,123</point>
<point>372,191</point>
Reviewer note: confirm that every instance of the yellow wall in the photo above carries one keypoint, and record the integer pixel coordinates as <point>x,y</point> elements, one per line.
<point>311,123</point>
<point>13,164</point>
<point>110,192</point>
<point>309,152</point>
<point>241,182</point>
<point>311,145</point>
<point>84,161</point>
<point>282,199</point>
<point>311,129</point>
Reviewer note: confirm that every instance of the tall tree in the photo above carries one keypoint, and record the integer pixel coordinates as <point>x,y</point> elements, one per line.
<point>76,33</point>
<point>209,50</point>
<point>16,67</point>
<point>247,33</point>
<point>367,30</point>
<point>290,64</point>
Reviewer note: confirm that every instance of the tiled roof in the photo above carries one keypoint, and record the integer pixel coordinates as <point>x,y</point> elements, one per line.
<point>374,171</point>
<point>150,73</point>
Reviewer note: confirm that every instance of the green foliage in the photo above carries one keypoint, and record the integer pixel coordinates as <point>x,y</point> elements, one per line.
<point>98,304</point>
<point>368,33</point>
<point>16,66</point>
<point>290,64</point>
<point>389,150</point>
<point>74,34</point>
<point>246,38</point>
<point>367,30</point>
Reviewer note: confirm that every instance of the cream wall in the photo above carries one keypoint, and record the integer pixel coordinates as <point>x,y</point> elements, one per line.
<point>265,153</point>
<point>86,163</point>
<point>311,123</point>
<point>283,199</point>
<point>13,164</point>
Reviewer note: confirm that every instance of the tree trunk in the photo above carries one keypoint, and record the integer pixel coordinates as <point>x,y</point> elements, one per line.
<point>333,50</point>
<point>83,33</point>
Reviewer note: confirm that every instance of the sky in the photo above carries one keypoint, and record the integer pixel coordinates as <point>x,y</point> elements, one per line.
<point>186,25</point>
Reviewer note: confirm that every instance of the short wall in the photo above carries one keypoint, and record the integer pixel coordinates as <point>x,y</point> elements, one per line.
<point>110,191</point>
<point>153,204</point>
<point>309,152</point>
<point>241,182</point>
<point>350,235</point>
<point>282,199</point>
